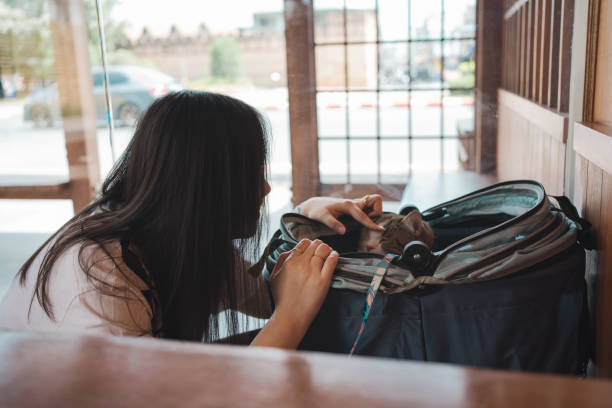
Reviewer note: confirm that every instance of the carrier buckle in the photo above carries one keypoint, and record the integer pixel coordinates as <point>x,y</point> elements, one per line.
<point>417,257</point>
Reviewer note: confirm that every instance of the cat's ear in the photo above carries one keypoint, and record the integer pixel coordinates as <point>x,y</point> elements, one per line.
<point>414,221</point>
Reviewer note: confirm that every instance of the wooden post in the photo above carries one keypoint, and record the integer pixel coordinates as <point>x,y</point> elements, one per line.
<point>537,49</point>
<point>299,38</point>
<point>75,86</point>
<point>545,52</point>
<point>565,54</point>
<point>555,42</point>
<point>591,61</point>
<point>488,80</point>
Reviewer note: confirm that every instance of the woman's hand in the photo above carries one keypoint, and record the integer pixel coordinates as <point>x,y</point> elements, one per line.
<point>300,281</point>
<point>328,209</point>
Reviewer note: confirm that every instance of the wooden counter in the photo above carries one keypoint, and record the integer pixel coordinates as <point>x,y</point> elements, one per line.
<point>70,370</point>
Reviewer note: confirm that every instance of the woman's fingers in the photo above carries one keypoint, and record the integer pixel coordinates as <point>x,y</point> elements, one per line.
<point>320,255</point>
<point>360,216</point>
<point>329,266</point>
<point>322,251</point>
<point>309,252</point>
<point>301,246</point>
<point>372,205</point>
<point>334,224</point>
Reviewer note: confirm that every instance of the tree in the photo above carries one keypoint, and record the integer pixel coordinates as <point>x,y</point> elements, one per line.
<point>114,35</point>
<point>25,40</point>
<point>225,58</point>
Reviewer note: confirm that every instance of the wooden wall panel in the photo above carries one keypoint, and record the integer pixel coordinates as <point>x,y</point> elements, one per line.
<point>604,282</point>
<point>531,142</point>
<point>595,187</point>
<point>581,166</point>
<point>603,79</point>
<point>592,197</point>
<point>537,52</point>
<point>545,55</point>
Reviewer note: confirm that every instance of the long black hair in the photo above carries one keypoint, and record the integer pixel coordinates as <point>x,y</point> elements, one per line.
<point>187,193</point>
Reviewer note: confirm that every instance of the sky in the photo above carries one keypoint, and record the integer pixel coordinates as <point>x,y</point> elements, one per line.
<point>218,15</point>
<point>227,15</point>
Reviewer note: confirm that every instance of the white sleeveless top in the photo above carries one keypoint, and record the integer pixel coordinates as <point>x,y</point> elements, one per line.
<point>76,303</point>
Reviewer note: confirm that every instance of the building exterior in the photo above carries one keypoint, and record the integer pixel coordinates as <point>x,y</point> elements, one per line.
<point>262,50</point>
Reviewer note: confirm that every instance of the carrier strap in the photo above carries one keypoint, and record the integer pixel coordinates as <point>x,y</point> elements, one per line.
<point>381,270</point>
<point>586,236</point>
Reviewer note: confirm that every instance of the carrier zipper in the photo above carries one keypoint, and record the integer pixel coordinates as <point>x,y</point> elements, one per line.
<point>440,256</point>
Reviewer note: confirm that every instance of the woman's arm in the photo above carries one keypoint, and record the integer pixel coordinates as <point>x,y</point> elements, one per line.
<point>256,302</point>
<point>300,281</point>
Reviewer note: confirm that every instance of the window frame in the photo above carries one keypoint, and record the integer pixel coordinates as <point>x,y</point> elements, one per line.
<point>304,135</point>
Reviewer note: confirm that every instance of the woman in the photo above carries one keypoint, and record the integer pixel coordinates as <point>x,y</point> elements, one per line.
<point>160,252</point>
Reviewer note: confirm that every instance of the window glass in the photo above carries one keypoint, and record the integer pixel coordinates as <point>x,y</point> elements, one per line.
<point>235,47</point>
<point>38,91</point>
<point>402,77</point>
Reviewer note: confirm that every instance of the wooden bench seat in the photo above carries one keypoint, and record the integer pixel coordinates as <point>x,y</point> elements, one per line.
<point>39,369</point>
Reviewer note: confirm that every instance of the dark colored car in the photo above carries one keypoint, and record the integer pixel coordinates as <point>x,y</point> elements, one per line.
<point>132,89</point>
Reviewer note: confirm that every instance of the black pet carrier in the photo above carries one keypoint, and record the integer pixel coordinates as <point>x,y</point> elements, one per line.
<point>502,287</point>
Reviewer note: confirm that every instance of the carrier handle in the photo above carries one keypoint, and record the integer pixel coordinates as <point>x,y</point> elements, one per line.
<point>586,237</point>
<point>407,209</point>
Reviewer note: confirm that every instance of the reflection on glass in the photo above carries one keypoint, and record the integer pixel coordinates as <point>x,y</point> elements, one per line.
<point>360,20</point>
<point>458,113</point>
<point>459,154</point>
<point>394,110</point>
<point>332,161</point>
<point>426,155</point>
<point>459,18</point>
<point>425,19</point>
<point>328,21</point>
<point>147,58</point>
<point>363,161</point>
<point>393,20</point>
<point>32,143</point>
<point>425,106</point>
<point>362,66</point>
<point>394,67</point>
<point>360,4</point>
<point>330,67</point>
<point>459,64</point>
<point>394,166</point>
<point>362,114</point>
<point>331,113</point>
<point>426,65</point>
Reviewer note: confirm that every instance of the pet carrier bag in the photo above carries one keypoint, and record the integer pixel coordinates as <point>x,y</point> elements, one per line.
<point>503,285</point>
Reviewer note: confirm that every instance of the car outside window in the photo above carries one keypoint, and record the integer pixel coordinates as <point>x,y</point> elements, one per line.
<point>97,79</point>
<point>116,78</point>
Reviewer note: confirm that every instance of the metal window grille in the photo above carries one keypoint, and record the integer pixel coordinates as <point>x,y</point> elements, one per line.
<point>410,90</point>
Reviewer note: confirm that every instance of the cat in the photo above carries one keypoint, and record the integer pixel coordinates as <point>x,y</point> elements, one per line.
<point>399,230</point>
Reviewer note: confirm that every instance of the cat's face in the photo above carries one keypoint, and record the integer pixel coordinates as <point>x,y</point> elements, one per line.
<point>399,230</point>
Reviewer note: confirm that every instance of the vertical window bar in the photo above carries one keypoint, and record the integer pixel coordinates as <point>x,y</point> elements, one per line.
<point>409,107</point>
<point>346,99</point>
<point>378,155</point>
<point>441,85</point>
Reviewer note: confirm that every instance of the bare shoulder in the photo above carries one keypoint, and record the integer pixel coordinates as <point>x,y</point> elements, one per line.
<point>113,292</point>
